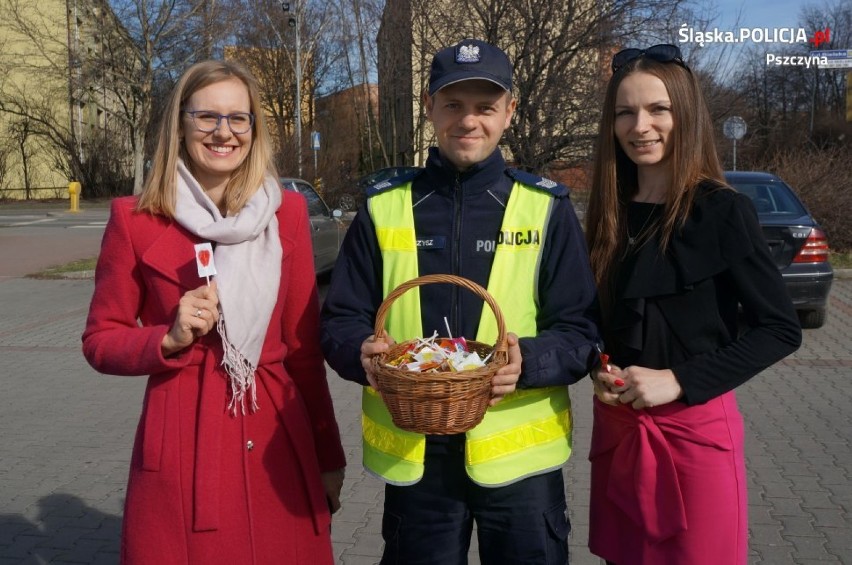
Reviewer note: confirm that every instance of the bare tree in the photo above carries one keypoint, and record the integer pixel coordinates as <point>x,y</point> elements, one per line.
<point>265,42</point>
<point>560,49</point>
<point>795,106</point>
<point>359,76</point>
<point>34,94</point>
<point>828,86</point>
<point>151,41</point>
<point>6,150</point>
<point>21,131</point>
<point>111,59</point>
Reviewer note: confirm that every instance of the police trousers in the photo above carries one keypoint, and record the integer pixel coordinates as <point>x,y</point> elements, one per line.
<point>430,522</point>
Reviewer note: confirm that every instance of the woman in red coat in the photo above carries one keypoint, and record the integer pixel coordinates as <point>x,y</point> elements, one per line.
<point>237,457</point>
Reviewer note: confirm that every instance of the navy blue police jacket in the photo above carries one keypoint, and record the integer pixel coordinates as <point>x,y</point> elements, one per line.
<point>457,217</point>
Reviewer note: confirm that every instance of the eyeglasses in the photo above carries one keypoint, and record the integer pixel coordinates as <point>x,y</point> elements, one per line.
<point>664,53</point>
<point>207,121</point>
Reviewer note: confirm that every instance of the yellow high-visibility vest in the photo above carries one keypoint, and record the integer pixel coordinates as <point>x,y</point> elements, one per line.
<point>529,431</point>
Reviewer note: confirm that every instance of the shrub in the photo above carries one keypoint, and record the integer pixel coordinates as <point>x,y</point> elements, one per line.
<point>821,179</point>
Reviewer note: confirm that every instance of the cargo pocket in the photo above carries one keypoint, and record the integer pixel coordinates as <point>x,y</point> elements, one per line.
<point>558,528</point>
<point>154,430</point>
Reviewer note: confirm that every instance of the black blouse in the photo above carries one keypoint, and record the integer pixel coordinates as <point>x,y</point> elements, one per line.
<point>679,310</point>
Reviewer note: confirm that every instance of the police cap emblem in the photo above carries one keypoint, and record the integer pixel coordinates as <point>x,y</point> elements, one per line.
<point>468,54</point>
<point>546,183</point>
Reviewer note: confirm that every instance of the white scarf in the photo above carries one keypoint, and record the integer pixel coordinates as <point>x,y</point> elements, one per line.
<point>247,256</point>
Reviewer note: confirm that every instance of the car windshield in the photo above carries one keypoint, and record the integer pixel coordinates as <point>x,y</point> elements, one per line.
<point>771,198</point>
<point>316,207</point>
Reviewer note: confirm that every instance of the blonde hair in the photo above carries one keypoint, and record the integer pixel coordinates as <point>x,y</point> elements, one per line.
<point>158,193</point>
<point>693,159</point>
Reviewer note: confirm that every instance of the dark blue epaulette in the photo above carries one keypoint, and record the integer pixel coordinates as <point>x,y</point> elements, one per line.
<point>541,183</point>
<point>393,182</point>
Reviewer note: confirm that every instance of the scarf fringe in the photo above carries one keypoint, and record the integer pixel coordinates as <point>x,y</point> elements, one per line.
<point>240,372</point>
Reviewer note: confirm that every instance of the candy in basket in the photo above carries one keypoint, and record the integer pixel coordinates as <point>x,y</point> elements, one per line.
<point>438,385</point>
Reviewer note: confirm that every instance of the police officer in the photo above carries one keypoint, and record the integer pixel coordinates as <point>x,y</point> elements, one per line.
<point>516,234</point>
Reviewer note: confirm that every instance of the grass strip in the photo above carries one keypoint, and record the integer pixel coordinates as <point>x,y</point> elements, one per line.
<point>74,269</point>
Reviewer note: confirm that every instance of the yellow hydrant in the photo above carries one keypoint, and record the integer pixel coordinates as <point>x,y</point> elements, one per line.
<point>74,189</point>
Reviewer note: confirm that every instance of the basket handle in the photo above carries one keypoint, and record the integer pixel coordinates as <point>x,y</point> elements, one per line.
<point>381,315</point>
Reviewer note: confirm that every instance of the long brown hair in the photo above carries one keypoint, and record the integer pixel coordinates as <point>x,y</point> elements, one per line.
<point>693,159</point>
<point>158,194</point>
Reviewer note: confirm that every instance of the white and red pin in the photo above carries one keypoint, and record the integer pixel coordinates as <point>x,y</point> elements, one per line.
<point>204,260</point>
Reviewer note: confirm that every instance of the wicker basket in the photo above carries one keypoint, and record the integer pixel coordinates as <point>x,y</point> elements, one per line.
<point>438,403</point>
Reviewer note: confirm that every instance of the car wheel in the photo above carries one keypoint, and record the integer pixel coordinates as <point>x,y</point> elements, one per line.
<point>347,203</point>
<point>812,319</point>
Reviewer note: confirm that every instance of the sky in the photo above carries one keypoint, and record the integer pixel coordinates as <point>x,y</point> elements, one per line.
<point>760,13</point>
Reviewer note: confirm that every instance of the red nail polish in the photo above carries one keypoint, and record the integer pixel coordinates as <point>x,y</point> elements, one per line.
<point>619,382</point>
<point>604,362</point>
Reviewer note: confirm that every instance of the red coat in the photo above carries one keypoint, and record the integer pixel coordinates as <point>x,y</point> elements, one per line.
<point>206,486</point>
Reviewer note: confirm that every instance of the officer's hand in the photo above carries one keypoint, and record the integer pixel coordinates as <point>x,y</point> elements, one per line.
<point>506,378</point>
<point>369,349</point>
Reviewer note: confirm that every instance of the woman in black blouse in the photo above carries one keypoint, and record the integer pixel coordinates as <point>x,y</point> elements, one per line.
<point>675,252</point>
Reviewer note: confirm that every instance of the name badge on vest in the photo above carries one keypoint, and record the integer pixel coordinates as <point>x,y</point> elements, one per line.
<point>431,242</point>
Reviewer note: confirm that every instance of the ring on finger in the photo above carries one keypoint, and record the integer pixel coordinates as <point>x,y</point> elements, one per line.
<point>198,313</point>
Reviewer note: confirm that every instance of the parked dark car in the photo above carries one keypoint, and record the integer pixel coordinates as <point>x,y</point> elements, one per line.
<point>797,242</point>
<point>327,230</point>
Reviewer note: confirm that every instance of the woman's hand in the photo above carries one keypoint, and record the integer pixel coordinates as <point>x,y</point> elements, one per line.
<point>506,378</point>
<point>332,482</point>
<point>197,314</point>
<point>369,349</point>
<point>646,388</point>
<point>606,380</point>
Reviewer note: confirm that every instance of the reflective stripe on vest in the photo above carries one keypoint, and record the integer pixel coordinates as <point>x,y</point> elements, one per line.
<point>398,244</point>
<point>391,454</point>
<point>529,431</point>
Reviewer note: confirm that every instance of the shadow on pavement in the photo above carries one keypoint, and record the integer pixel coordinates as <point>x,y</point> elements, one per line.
<point>66,529</point>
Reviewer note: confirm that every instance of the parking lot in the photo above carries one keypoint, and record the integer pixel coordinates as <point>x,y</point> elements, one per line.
<point>67,431</point>
<point>67,434</point>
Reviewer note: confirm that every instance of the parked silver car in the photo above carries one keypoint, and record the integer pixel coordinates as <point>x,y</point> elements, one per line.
<point>327,230</point>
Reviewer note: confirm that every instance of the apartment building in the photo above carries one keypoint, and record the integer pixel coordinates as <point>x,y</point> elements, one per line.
<point>56,93</point>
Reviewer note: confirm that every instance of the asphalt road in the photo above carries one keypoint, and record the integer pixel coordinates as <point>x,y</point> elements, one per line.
<point>32,240</point>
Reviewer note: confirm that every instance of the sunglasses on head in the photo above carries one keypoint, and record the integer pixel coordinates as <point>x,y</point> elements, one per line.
<point>663,53</point>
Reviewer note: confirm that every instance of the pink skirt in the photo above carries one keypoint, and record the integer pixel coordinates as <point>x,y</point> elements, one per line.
<point>669,485</point>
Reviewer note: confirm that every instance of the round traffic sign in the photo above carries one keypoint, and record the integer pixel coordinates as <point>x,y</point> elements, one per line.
<point>734,127</point>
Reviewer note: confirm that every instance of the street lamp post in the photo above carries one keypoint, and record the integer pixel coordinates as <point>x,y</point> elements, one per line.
<point>293,22</point>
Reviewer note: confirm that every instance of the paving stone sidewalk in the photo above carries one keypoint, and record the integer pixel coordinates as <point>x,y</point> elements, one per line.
<point>66,434</point>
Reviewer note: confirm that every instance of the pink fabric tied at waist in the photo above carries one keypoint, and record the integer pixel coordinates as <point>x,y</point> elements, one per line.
<point>643,480</point>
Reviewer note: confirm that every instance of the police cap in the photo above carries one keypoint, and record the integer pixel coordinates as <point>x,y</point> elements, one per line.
<point>468,60</point>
